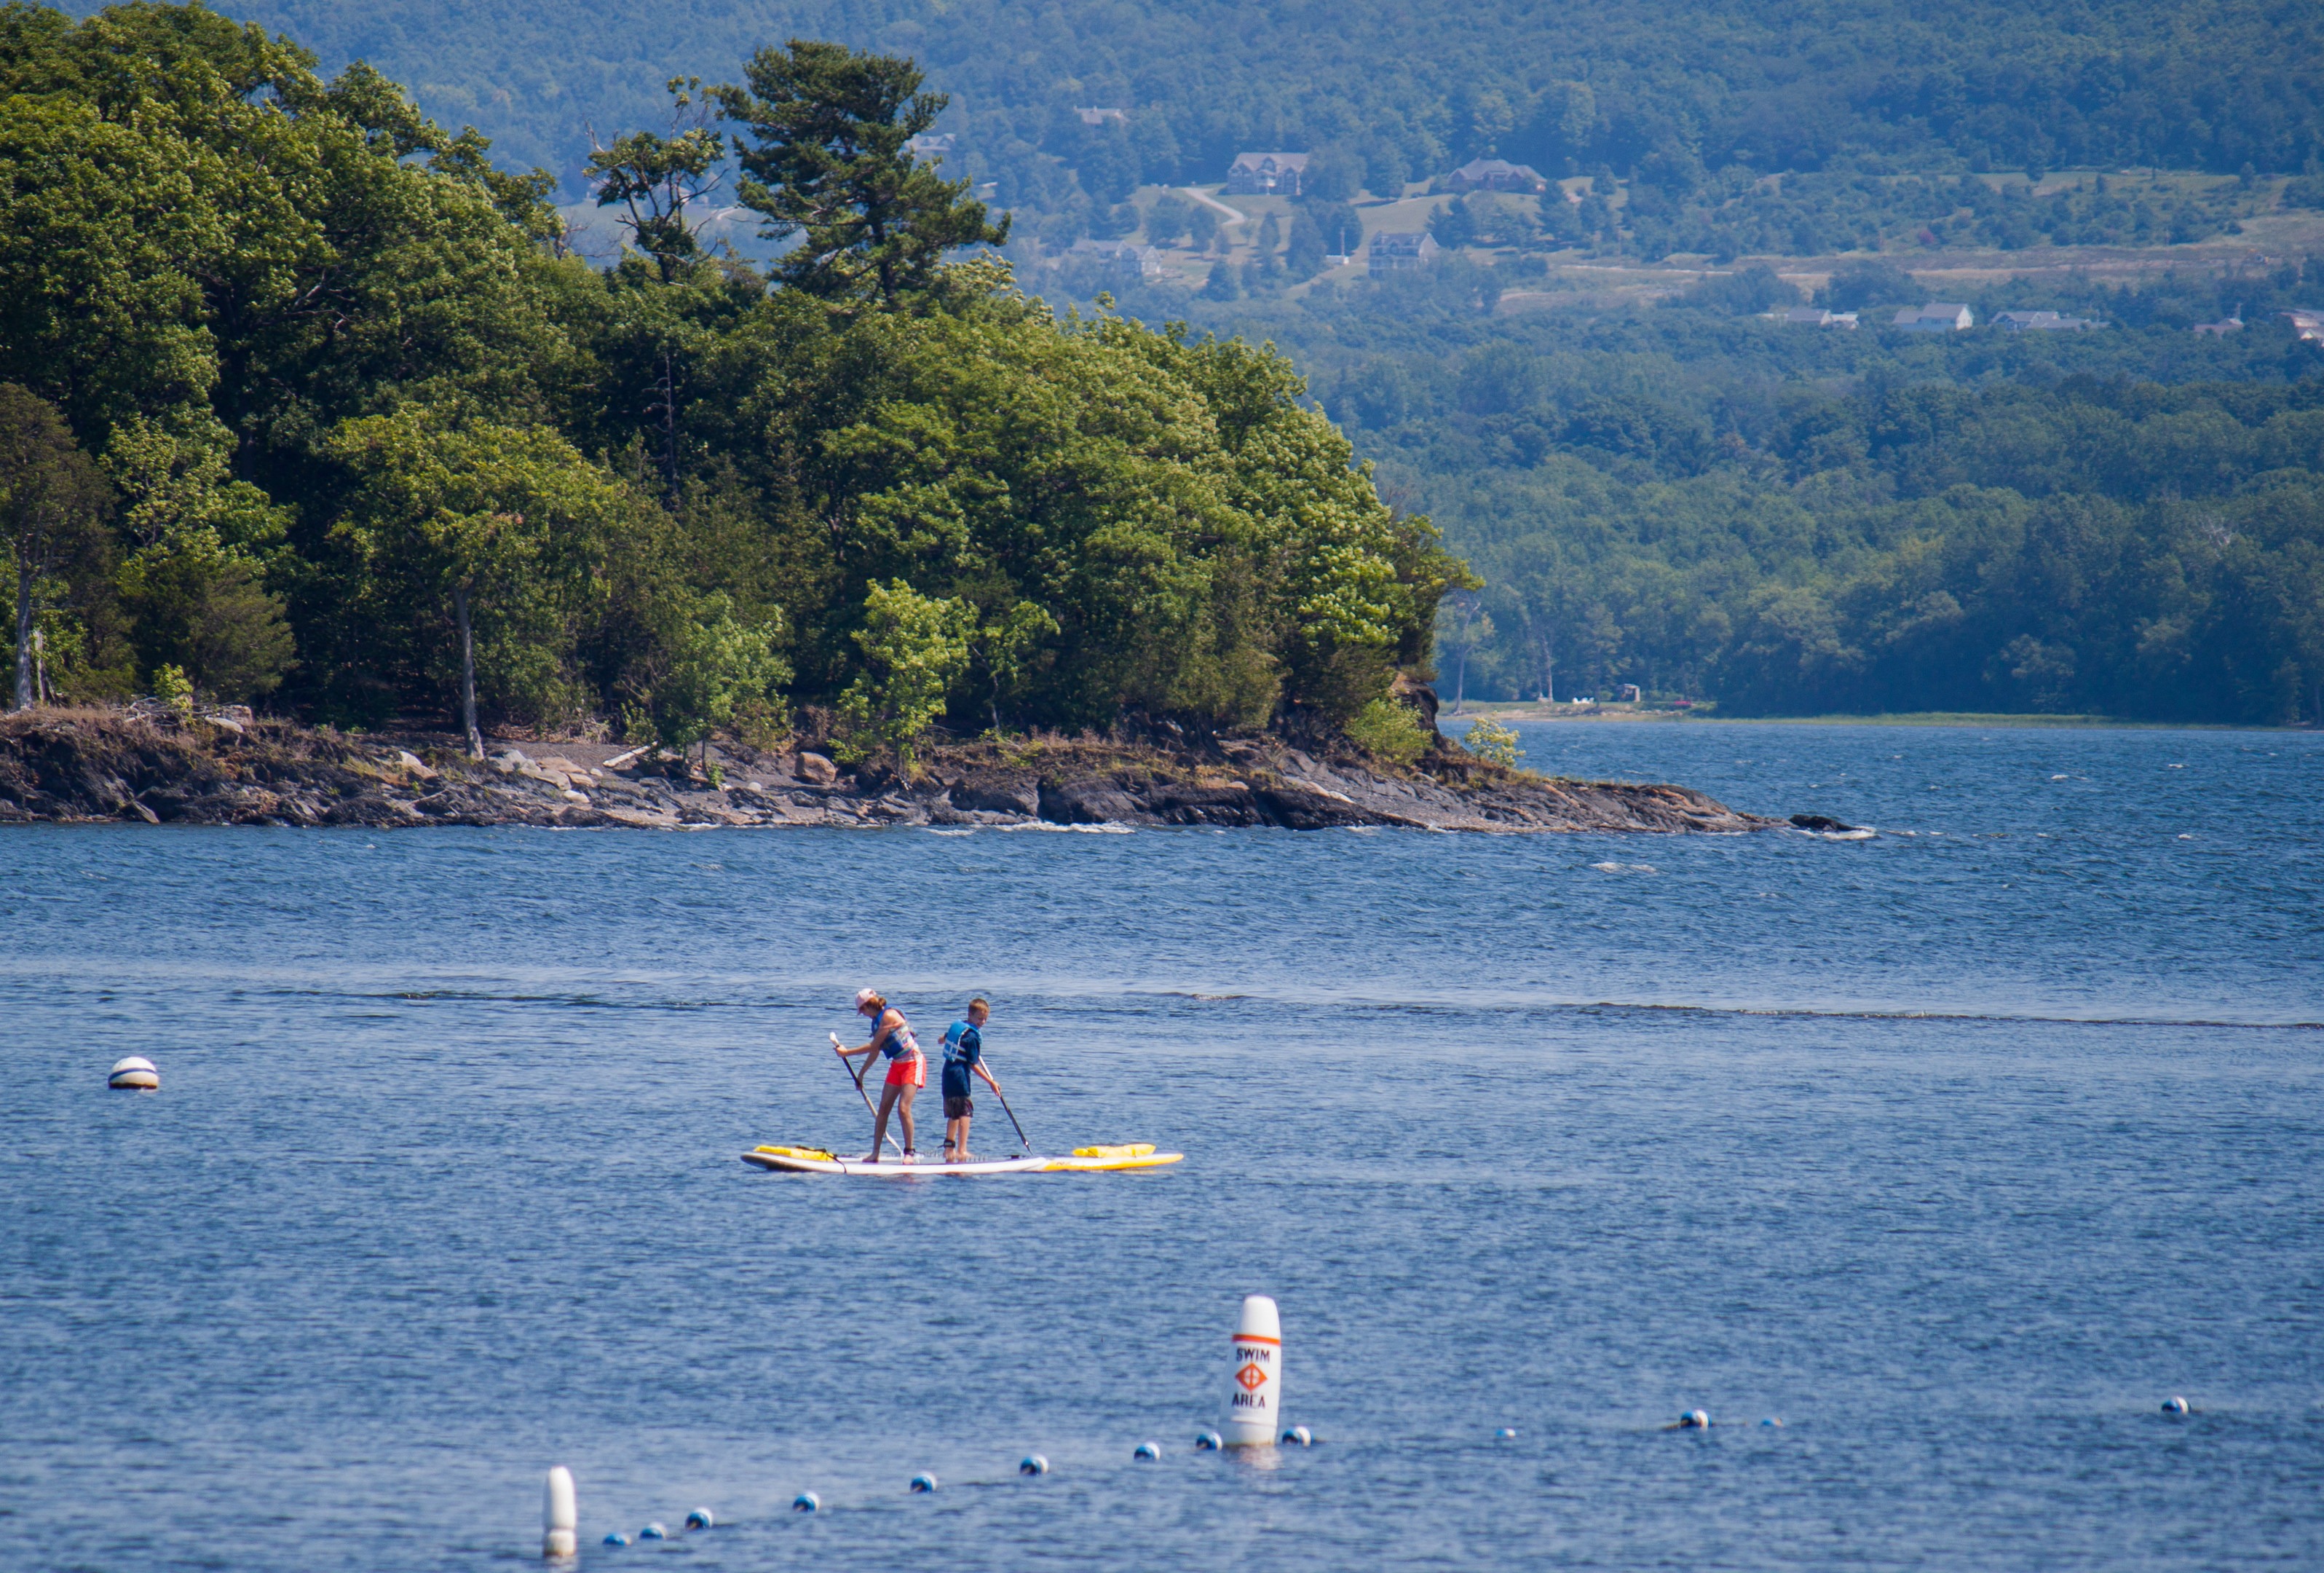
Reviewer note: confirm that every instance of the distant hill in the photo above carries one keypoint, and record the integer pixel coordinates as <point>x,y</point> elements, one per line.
<point>1409,87</point>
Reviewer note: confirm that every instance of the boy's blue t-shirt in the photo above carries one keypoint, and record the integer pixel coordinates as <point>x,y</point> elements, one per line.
<point>964,1046</point>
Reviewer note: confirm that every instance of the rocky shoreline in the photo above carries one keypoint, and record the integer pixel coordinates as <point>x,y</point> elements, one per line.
<point>89,766</point>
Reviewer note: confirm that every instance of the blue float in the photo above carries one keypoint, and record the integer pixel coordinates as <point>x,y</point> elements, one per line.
<point>653,1533</point>
<point>1032,1464</point>
<point>1148,1452</point>
<point>1694,1420</point>
<point>1208,1442</point>
<point>617,1539</point>
<point>1298,1437</point>
<point>2174,1405</point>
<point>699,1519</point>
<point>1506,1434</point>
<point>923,1483</point>
<point>806,1502</point>
<point>1771,1420</point>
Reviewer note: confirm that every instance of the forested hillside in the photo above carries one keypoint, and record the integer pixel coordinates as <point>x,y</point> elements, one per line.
<point>301,400</point>
<point>1676,88</point>
<point>1792,520</point>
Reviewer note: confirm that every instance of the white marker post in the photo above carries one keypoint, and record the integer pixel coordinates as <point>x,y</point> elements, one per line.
<point>560,1519</point>
<point>1255,1395</point>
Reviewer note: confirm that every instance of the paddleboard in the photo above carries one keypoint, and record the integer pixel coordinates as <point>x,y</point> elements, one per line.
<point>1124,1155</point>
<point>816,1160</point>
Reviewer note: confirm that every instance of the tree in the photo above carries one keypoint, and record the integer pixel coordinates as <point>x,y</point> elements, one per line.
<point>497,520</point>
<point>52,502</point>
<point>656,178</point>
<point>203,610</point>
<point>915,648</point>
<point>1463,625</point>
<point>824,158</point>
<point>1168,219</point>
<point>719,670</point>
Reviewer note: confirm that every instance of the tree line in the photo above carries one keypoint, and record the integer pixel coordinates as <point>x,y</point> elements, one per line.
<point>303,400</point>
<point>1402,92</point>
<point>1711,504</point>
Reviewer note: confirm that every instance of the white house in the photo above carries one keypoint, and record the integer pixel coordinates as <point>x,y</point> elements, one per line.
<point>1936,317</point>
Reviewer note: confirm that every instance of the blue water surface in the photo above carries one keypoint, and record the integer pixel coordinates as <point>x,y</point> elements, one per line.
<point>1957,1148</point>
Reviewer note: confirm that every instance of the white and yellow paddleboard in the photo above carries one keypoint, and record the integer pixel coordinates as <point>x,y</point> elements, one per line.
<point>1083,1160</point>
<point>1122,1155</point>
<point>816,1161</point>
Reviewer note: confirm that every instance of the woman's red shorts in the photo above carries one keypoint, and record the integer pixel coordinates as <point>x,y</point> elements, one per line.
<point>909,1070</point>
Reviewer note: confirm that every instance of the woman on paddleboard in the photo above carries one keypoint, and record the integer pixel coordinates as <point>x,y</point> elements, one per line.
<point>891,1039</point>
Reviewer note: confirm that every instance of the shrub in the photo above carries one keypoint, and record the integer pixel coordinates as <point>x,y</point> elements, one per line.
<point>1491,740</point>
<point>1388,730</point>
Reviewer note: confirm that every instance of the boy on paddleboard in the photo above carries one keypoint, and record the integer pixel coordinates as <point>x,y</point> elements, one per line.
<point>891,1037</point>
<point>963,1052</point>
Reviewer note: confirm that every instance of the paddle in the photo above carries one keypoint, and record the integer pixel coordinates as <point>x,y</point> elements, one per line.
<point>1005,1109</point>
<point>837,1048</point>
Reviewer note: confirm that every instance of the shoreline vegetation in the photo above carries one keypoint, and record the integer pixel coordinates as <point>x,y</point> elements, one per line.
<point>156,765</point>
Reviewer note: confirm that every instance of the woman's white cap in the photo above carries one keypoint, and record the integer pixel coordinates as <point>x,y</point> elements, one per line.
<point>864,997</point>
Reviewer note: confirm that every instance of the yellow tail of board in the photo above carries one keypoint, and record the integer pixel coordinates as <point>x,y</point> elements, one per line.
<point>1122,1149</point>
<point>815,1152</point>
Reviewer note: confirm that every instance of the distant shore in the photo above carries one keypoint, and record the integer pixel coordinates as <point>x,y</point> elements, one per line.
<point>1533,711</point>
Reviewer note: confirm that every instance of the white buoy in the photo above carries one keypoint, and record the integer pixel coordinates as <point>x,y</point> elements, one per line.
<point>135,1074</point>
<point>1506,1434</point>
<point>1255,1393</point>
<point>2174,1405</point>
<point>1032,1464</point>
<point>654,1532</point>
<point>560,1519</point>
<point>699,1519</point>
<point>1694,1420</point>
<point>1297,1437</point>
<point>1208,1442</point>
<point>1148,1453</point>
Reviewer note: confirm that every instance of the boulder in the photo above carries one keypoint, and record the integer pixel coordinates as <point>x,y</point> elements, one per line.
<point>999,792</point>
<point>1095,802</point>
<point>815,768</point>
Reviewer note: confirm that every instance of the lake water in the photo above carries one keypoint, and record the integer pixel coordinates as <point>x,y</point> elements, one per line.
<point>1957,1148</point>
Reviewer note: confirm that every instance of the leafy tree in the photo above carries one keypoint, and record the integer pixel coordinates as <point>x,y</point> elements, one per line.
<point>719,672</point>
<point>824,156</point>
<point>915,648</point>
<point>485,521</point>
<point>1168,220</point>
<point>52,500</point>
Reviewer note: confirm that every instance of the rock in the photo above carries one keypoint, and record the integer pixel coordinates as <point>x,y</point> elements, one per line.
<point>999,792</point>
<point>413,764</point>
<point>1819,822</point>
<point>815,768</point>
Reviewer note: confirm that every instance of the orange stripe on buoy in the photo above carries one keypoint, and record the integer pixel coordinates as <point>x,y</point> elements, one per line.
<point>1255,1338</point>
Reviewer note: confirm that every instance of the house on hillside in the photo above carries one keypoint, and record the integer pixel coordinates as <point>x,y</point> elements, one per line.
<point>1495,175</point>
<point>2309,326</point>
<point>1393,251</point>
<point>1936,317</point>
<point>1094,117</point>
<point>1814,316</point>
<point>1125,260</point>
<point>2233,322</point>
<point>1267,174</point>
<point>2043,322</point>
<point>932,145</point>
